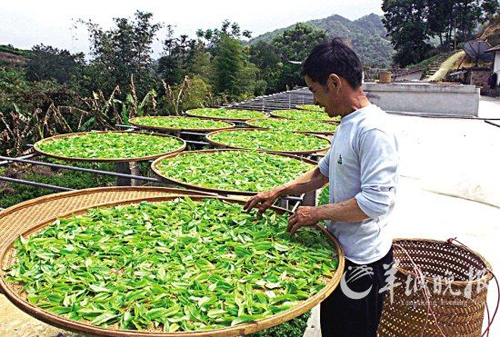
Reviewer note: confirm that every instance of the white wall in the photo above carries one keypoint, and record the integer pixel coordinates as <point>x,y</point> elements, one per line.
<point>496,67</point>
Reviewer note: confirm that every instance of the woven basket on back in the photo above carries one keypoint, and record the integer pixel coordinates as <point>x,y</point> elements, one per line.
<point>456,279</point>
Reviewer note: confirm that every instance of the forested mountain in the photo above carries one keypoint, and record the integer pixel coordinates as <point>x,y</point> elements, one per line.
<point>367,36</point>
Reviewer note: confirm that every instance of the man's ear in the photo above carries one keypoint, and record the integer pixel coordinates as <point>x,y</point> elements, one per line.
<point>334,83</point>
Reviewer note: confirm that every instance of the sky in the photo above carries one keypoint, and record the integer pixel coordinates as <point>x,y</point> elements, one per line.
<point>52,22</point>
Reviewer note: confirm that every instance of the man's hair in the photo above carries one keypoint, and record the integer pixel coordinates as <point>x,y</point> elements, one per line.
<point>333,57</point>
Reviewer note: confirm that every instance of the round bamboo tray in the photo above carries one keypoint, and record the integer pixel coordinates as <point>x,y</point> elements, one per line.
<point>7,255</point>
<point>104,160</point>
<point>329,133</point>
<point>298,153</point>
<point>225,118</point>
<point>452,314</point>
<point>159,128</point>
<point>208,189</point>
<point>329,120</point>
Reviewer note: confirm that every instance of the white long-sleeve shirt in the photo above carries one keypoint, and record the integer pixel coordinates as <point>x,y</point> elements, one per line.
<point>363,164</point>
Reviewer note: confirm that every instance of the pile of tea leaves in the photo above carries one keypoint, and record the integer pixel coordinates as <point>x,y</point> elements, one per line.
<point>110,145</point>
<point>246,171</point>
<point>311,126</point>
<point>286,141</point>
<point>310,107</point>
<point>179,122</point>
<point>171,266</point>
<point>304,115</point>
<point>229,114</point>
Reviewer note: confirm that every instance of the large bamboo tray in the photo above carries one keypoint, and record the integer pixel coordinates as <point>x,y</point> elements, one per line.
<point>104,160</point>
<point>6,257</point>
<point>208,189</point>
<point>298,153</point>
<point>226,118</point>
<point>159,128</point>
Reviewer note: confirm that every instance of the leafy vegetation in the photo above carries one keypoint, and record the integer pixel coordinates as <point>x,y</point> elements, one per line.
<point>279,141</point>
<point>180,123</point>
<point>367,35</point>
<point>244,171</point>
<point>230,114</point>
<point>12,194</point>
<point>109,145</point>
<point>310,107</point>
<point>310,126</point>
<point>303,115</point>
<point>149,266</point>
<point>412,24</point>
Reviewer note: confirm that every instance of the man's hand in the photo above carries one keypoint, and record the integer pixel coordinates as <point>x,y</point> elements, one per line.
<point>263,200</point>
<point>304,216</point>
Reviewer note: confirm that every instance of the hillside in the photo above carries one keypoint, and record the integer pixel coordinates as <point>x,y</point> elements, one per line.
<point>10,56</point>
<point>367,36</point>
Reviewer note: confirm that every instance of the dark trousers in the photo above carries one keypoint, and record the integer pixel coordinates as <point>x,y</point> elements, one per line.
<point>346,312</point>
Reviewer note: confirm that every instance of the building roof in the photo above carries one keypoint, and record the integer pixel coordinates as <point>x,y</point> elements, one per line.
<point>493,49</point>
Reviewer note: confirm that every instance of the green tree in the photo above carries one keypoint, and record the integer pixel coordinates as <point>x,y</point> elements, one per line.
<point>172,66</point>
<point>294,45</point>
<point>234,73</point>
<point>48,63</point>
<point>121,52</point>
<point>267,59</point>
<point>406,23</point>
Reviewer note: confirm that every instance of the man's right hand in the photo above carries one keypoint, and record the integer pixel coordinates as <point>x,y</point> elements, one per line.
<point>263,200</point>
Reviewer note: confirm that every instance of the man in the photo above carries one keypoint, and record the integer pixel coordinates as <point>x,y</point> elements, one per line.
<point>362,170</point>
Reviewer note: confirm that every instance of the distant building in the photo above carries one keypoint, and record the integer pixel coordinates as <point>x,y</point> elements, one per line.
<point>495,77</point>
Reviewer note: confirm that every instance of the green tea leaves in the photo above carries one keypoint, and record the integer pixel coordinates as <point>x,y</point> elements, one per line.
<point>228,114</point>
<point>220,266</point>
<point>178,122</point>
<point>109,145</point>
<point>246,171</point>
<point>279,141</point>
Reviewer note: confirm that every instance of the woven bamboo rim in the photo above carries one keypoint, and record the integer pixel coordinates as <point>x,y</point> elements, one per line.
<point>228,119</point>
<point>222,145</point>
<point>103,160</point>
<point>249,123</point>
<point>486,278</point>
<point>273,114</point>
<point>208,189</point>
<point>161,128</point>
<point>6,255</point>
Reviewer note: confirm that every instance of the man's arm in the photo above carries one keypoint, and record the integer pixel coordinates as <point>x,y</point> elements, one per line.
<point>346,211</point>
<point>308,182</point>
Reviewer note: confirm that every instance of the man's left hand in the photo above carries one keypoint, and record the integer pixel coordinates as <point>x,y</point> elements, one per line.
<point>304,216</point>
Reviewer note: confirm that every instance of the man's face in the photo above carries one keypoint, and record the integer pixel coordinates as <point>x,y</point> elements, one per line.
<point>322,96</point>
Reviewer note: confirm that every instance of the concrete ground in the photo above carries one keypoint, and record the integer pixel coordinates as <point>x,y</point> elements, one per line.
<point>450,187</point>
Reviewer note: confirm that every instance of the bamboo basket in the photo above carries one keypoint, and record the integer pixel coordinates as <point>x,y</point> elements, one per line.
<point>7,256</point>
<point>208,189</point>
<point>160,128</point>
<point>299,153</point>
<point>104,160</point>
<point>451,315</point>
